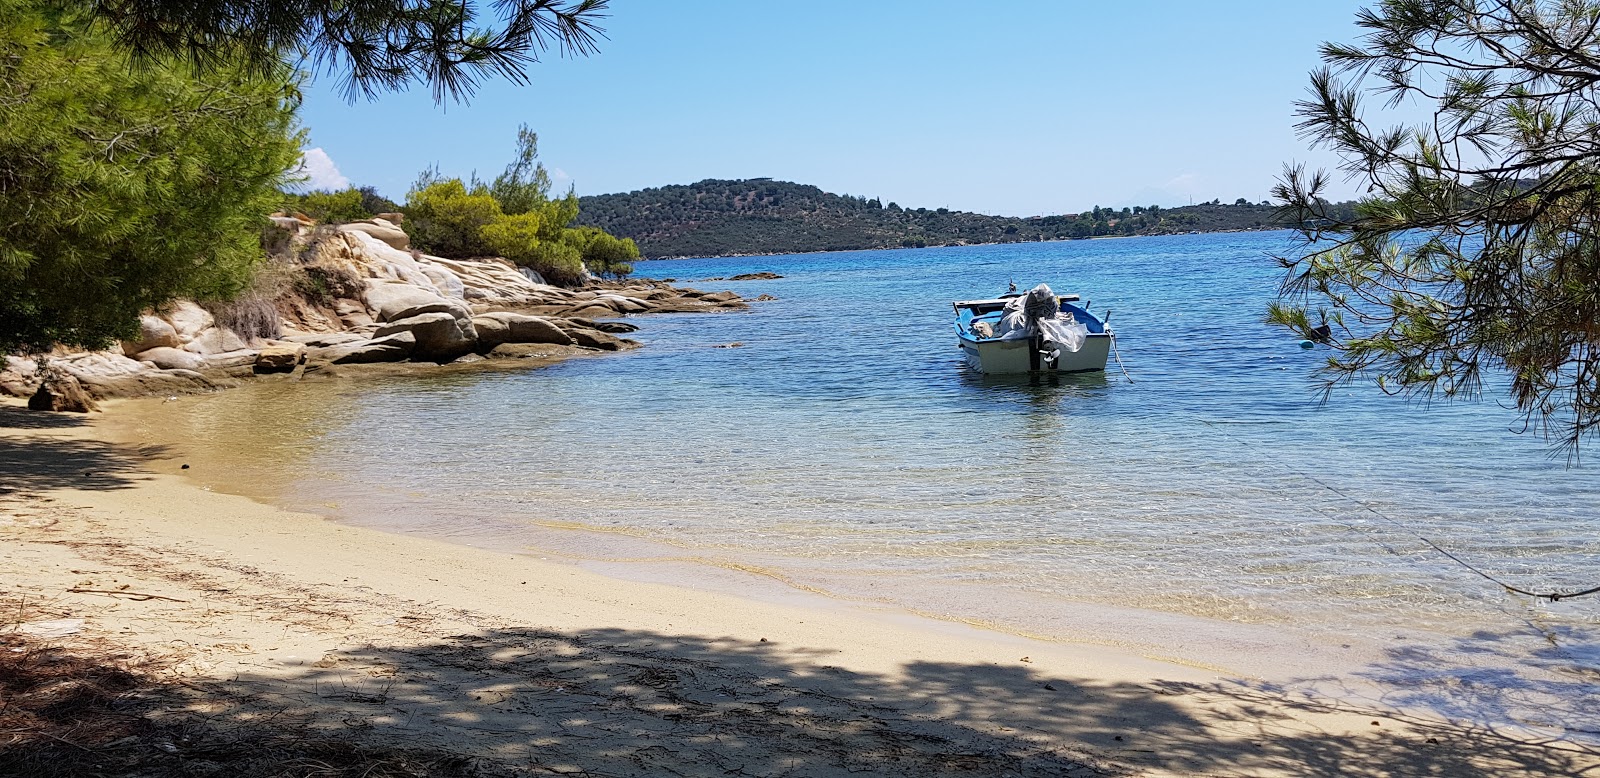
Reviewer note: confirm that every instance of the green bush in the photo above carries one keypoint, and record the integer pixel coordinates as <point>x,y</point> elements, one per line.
<point>443,218</point>
<point>332,207</point>
<point>517,238</point>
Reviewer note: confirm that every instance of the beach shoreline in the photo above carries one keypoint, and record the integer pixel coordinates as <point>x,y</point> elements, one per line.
<point>510,658</point>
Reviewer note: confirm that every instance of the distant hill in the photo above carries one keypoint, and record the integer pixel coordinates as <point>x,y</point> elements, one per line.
<point>763,216</point>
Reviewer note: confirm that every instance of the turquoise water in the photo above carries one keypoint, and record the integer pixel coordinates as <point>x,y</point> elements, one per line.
<point>842,447</point>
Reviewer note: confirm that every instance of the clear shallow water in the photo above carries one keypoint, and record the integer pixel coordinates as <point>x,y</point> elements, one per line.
<point>843,447</point>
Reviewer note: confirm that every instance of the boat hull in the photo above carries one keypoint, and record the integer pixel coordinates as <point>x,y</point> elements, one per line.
<point>1014,356</point>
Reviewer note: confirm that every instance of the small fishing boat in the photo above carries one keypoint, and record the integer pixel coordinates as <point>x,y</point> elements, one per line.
<point>1033,331</point>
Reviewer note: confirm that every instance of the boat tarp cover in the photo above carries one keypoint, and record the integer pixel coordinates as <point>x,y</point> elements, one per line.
<point>1040,311</point>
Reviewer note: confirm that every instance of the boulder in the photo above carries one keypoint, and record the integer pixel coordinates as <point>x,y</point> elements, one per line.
<point>394,301</point>
<point>215,340</point>
<point>151,382</point>
<point>18,377</point>
<point>503,327</point>
<point>528,350</point>
<point>596,339</point>
<point>244,357</point>
<point>392,348</point>
<point>764,275</point>
<point>615,327</point>
<point>382,230</point>
<point>324,339</point>
<point>153,333</point>
<point>440,337</point>
<point>168,358</point>
<point>393,218</point>
<point>189,320</point>
<point>280,358</point>
<point>720,297</point>
<point>61,391</point>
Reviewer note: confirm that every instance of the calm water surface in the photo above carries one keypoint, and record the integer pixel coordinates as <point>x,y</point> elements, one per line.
<point>842,447</point>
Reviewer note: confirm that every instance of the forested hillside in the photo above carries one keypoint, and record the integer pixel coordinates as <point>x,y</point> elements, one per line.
<point>762,216</point>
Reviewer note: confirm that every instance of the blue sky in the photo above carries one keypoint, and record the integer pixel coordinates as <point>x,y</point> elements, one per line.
<point>1015,108</point>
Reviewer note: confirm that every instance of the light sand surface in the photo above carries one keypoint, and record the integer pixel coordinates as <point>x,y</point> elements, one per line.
<point>547,668</point>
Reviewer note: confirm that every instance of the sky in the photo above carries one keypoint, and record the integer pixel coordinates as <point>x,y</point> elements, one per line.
<point>1014,108</point>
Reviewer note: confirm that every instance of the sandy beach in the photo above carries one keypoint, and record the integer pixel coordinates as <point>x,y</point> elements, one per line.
<point>265,620</point>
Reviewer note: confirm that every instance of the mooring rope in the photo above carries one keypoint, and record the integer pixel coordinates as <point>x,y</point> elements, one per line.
<point>1119,357</point>
<point>1552,596</point>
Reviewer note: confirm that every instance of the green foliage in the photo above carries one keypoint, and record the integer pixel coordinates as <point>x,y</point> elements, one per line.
<point>512,217</point>
<point>1477,247</point>
<point>374,203</point>
<point>372,46</point>
<point>348,205</point>
<point>762,216</point>
<point>603,253</point>
<point>525,185</point>
<point>122,188</point>
<point>444,218</point>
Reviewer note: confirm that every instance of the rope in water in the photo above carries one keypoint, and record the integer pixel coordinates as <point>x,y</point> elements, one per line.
<point>1119,358</point>
<point>1552,596</point>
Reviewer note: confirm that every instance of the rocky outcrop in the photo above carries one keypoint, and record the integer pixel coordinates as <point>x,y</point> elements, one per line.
<point>280,358</point>
<point>60,391</point>
<point>440,337</point>
<point>357,295</point>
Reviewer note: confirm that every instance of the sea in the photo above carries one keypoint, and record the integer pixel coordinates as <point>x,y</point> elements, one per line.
<point>1204,500</point>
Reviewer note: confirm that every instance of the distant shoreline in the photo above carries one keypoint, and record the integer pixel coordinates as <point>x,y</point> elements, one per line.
<point>957,245</point>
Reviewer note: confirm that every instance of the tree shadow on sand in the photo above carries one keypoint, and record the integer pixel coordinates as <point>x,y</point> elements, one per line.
<point>31,462</point>
<point>632,703</point>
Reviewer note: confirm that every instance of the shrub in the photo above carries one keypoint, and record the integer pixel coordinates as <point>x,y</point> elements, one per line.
<point>332,207</point>
<point>445,219</point>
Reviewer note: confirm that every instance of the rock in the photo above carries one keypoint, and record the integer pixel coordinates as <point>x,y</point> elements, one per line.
<point>394,301</point>
<point>382,230</point>
<point>151,382</point>
<point>596,339</point>
<point>280,358</point>
<point>245,357</point>
<point>447,282</point>
<point>593,311</point>
<point>766,298</point>
<point>189,320</point>
<point>215,340</point>
<point>528,350</point>
<point>440,337</point>
<point>761,276</point>
<point>351,314</point>
<point>153,333</point>
<point>393,218</point>
<point>467,359</point>
<point>168,358</point>
<point>324,339</point>
<point>720,297</point>
<point>615,327</point>
<point>392,348</point>
<point>18,377</point>
<point>60,391</point>
<point>502,327</point>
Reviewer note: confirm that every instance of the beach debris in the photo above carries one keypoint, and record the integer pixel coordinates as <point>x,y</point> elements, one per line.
<point>185,466</point>
<point>735,344</point>
<point>54,628</point>
<point>1026,659</point>
<point>135,596</point>
<point>1051,688</point>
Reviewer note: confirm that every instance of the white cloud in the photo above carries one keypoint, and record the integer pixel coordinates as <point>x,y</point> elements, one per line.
<point>320,172</point>
<point>557,174</point>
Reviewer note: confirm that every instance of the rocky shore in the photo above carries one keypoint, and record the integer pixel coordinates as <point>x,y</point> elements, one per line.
<point>345,295</point>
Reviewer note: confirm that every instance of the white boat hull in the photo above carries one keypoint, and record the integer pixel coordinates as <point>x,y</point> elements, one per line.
<point>1012,356</point>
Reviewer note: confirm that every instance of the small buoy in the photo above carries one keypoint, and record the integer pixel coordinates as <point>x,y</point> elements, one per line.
<point>1307,344</point>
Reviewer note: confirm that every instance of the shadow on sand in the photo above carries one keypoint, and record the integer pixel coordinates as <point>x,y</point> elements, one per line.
<point>627,703</point>
<point>34,461</point>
